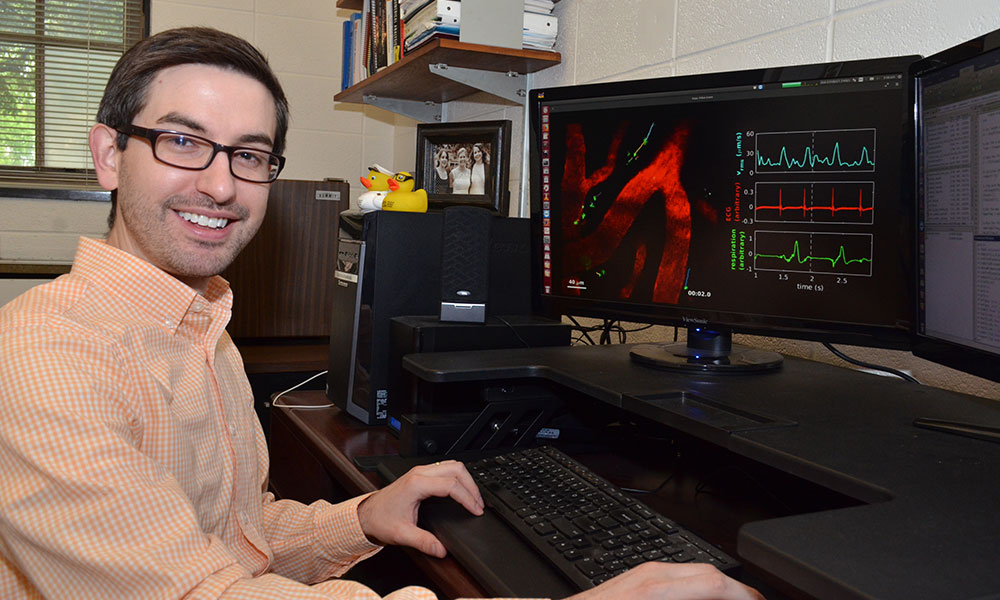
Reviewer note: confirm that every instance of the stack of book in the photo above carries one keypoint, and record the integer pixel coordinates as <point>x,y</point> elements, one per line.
<point>385,30</point>
<point>426,19</point>
<point>373,40</point>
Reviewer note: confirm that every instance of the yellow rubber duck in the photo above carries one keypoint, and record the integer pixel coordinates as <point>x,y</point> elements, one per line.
<point>377,179</point>
<point>398,194</point>
<point>402,196</point>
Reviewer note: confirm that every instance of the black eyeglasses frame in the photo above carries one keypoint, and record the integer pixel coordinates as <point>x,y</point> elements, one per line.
<point>153,134</point>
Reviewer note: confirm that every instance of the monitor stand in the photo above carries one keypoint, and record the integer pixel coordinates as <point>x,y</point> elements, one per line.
<point>706,351</point>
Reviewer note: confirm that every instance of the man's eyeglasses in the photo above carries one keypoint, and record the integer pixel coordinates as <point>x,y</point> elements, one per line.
<point>187,151</point>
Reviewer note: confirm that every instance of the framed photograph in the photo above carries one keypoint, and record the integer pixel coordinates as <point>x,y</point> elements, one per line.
<point>465,163</point>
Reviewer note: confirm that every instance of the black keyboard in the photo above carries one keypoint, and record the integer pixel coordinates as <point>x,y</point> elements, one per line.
<point>584,526</point>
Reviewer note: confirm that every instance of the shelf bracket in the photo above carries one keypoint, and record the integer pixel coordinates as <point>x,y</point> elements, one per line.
<point>509,86</point>
<point>423,111</point>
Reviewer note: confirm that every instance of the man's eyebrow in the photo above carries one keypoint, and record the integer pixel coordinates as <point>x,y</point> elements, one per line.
<point>189,123</point>
<point>179,119</point>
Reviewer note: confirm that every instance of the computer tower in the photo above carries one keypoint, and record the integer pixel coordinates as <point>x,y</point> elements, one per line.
<point>392,269</point>
<point>390,266</point>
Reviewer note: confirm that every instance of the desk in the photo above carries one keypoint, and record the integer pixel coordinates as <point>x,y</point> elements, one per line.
<point>921,521</point>
<point>312,452</point>
<point>925,523</point>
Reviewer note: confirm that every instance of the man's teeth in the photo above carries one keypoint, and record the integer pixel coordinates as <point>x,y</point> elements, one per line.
<point>204,221</point>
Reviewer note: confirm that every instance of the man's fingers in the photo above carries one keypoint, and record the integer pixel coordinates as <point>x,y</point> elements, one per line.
<point>711,585</point>
<point>451,478</point>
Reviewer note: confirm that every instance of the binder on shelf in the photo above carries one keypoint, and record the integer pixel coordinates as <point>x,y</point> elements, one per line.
<point>347,51</point>
<point>432,18</point>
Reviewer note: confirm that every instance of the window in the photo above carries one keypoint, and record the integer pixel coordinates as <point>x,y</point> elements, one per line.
<point>55,59</point>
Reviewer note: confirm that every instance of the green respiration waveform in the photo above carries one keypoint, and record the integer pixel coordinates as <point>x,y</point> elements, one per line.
<point>796,255</point>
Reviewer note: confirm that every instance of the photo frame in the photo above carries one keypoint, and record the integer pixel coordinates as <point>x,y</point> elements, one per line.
<point>465,163</point>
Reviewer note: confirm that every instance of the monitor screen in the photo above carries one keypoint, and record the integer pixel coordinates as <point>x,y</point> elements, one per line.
<point>769,201</point>
<point>957,97</point>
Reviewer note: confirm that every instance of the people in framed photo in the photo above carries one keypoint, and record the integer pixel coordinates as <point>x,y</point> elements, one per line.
<point>465,163</point>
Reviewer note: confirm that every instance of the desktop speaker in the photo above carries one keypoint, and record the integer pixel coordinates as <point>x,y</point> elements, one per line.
<point>390,266</point>
<point>465,263</point>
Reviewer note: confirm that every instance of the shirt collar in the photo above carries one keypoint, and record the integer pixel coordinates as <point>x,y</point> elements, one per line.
<point>161,295</point>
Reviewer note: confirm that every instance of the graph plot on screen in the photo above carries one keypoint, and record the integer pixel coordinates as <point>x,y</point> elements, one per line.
<point>848,254</point>
<point>831,202</point>
<point>817,151</point>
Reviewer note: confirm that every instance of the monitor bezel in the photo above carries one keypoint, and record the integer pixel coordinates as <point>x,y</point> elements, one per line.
<point>955,355</point>
<point>898,336</point>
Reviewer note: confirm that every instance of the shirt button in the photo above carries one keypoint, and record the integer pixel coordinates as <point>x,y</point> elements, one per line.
<point>197,306</point>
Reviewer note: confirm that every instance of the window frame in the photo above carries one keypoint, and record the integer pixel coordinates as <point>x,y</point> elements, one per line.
<point>14,178</point>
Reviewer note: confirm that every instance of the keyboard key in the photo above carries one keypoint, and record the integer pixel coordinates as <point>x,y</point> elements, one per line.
<point>589,567</point>
<point>572,554</point>
<point>544,528</point>
<point>633,561</point>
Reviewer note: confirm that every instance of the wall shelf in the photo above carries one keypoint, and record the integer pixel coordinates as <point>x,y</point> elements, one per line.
<point>411,79</point>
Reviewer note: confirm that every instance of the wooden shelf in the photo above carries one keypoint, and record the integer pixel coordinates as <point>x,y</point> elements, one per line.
<point>350,4</point>
<point>411,79</point>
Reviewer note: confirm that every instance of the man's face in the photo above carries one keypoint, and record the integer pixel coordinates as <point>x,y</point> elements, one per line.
<point>159,206</point>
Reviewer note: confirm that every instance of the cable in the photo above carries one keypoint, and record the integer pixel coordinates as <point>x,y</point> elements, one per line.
<point>583,330</point>
<point>606,331</point>
<point>866,365</point>
<point>513,329</point>
<point>652,491</point>
<point>275,402</point>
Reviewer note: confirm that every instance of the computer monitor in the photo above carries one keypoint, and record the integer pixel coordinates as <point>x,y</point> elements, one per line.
<point>957,110</point>
<point>772,201</point>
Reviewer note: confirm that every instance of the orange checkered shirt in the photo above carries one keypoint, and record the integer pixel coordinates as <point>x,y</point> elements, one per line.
<point>131,461</point>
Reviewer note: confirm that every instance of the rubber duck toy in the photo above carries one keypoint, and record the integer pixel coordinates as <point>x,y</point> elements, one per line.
<point>402,196</point>
<point>377,179</point>
<point>398,194</point>
<point>377,182</point>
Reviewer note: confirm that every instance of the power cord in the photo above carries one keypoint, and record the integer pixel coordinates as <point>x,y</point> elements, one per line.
<point>275,400</point>
<point>514,331</point>
<point>867,365</point>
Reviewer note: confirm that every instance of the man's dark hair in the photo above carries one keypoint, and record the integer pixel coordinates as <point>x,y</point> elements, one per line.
<point>125,94</point>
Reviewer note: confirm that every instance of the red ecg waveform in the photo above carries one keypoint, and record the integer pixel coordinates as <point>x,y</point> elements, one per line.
<point>833,208</point>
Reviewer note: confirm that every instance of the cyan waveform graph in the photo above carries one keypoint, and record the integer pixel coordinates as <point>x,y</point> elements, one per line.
<point>830,202</point>
<point>817,151</point>
<point>813,252</point>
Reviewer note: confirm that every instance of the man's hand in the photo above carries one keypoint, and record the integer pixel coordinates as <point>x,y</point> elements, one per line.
<point>688,581</point>
<point>389,516</point>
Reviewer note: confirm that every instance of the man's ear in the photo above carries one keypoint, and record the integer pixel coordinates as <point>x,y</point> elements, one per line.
<point>104,152</point>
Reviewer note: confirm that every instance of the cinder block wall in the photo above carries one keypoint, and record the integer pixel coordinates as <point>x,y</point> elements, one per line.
<point>600,40</point>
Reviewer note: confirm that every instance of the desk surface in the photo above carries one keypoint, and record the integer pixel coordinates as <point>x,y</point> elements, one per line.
<point>926,525</point>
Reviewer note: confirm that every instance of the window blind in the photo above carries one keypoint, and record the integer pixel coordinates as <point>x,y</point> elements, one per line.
<point>55,59</point>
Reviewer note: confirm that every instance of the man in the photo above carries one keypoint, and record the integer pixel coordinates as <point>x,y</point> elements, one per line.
<point>133,464</point>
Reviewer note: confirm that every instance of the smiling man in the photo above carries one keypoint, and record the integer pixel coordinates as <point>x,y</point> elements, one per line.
<point>133,464</point>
